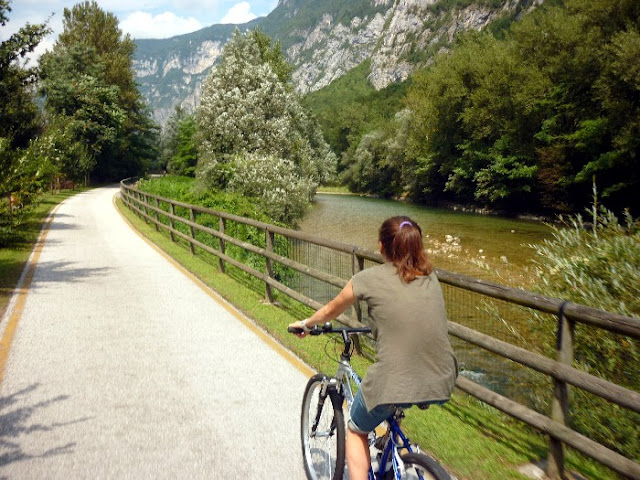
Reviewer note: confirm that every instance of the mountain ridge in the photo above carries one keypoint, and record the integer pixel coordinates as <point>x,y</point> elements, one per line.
<point>323,39</point>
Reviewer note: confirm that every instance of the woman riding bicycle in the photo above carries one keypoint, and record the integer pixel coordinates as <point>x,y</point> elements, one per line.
<point>414,362</point>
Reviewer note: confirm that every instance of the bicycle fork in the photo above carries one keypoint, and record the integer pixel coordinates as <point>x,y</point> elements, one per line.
<point>328,385</point>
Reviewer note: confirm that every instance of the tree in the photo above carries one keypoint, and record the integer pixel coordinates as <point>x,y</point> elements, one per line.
<point>379,163</point>
<point>275,182</point>
<point>18,112</point>
<point>185,157</point>
<point>59,147</point>
<point>273,56</point>
<point>169,137</point>
<point>74,90</point>
<point>246,109</point>
<point>20,121</point>
<point>88,78</point>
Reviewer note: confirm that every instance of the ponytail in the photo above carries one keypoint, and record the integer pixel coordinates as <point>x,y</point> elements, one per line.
<point>401,240</point>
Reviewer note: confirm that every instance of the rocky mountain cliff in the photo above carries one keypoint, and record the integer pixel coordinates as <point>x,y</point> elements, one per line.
<point>323,39</point>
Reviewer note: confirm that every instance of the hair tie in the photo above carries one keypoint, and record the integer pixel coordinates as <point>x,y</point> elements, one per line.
<point>405,223</point>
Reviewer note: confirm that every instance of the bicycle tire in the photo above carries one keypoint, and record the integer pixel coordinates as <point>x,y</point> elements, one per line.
<point>420,466</point>
<point>323,455</point>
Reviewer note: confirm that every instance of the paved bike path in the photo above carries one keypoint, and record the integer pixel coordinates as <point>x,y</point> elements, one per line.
<point>122,366</point>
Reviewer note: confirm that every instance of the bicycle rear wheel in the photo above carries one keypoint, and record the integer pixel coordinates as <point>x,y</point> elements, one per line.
<point>418,466</point>
<point>322,450</point>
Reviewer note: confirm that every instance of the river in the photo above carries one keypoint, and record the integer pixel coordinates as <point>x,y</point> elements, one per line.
<point>485,246</point>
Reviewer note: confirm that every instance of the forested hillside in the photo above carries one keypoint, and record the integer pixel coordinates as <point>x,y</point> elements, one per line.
<point>527,116</point>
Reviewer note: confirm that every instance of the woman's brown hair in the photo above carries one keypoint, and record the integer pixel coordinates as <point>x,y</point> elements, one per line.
<point>401,240</point>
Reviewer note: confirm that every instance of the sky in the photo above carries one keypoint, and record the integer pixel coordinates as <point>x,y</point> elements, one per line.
<point>139,18</point>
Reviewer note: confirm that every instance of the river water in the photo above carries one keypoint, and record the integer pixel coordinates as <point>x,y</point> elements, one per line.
<point>467,243</point>
<point>488,247</point>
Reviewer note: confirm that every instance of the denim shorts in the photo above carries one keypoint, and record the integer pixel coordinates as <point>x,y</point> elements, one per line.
<point>363,421</point>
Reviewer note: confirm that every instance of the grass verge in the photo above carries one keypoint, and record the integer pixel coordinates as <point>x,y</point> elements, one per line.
<point>473,440</point>
<point>15,253</point>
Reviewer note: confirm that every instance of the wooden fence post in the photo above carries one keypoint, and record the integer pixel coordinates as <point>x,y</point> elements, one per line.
<point>357,265</point>
<point>223,225</point>
<point>139,205</point>
<point>157,219</point>
<point>192,217</point>
<point>146,207</point>
<point>560,399</point>
<point>269,236</point>
<point>172,209</point>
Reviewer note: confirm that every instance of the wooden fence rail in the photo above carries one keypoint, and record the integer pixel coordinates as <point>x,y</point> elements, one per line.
<point>561,370</point>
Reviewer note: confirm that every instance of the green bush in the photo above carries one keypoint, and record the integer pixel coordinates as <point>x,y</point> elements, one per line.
<point>598,265</point>
<point>185,189</point>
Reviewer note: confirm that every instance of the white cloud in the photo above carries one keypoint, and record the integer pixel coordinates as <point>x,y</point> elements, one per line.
<point>163,25</point>
<point>239,13</point>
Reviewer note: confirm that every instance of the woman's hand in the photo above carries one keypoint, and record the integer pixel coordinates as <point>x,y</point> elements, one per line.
<point>299,325</point>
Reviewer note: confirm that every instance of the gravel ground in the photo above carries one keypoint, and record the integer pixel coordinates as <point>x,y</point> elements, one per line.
<point>123,366</point>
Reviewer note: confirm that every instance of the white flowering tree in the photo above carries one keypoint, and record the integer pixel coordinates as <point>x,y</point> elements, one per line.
<point>275,181</point>
<point>249,118</point>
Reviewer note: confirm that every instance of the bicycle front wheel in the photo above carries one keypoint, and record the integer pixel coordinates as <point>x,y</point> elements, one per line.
<point>322,432</point>
<point>418,466</point>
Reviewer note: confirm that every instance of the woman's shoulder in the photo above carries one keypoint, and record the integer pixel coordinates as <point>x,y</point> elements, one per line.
<point>377,270</point>
<point>372,277</point>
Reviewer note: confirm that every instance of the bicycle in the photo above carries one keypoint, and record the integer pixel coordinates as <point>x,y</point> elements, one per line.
<point>323,426</point>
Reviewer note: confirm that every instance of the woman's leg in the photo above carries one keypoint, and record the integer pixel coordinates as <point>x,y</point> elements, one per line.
<point>357,445</point>
<point>358,459</point>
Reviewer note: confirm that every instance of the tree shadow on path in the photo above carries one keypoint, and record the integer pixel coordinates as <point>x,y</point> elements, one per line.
<point>17,423</point>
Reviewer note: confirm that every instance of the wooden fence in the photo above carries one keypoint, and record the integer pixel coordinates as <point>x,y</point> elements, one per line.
<point>162,213</point>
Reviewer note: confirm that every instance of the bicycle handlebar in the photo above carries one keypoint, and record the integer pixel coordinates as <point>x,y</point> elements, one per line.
<point>329,328</point>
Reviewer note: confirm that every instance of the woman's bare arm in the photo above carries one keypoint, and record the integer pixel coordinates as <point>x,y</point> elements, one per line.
<point>331,310</point>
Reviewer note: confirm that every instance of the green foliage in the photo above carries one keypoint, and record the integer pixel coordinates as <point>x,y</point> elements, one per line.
<point>379,161</point>
<point>472,123</point>
<point>273,56</point>
<point>518,117</point>
<point>20,123</point>
<point>88,79</point>
<point>186,190</point>
<point>74,88</point>
<point>248,115</point>
<point>350,107</point>
<point>169,137</point>
<point>185,154</point>
<point>598,265</point>
<point>58,152</point>
<point>18,112</point>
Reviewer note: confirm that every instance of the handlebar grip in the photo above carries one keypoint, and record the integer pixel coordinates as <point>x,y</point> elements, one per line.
<point>317,330</point>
